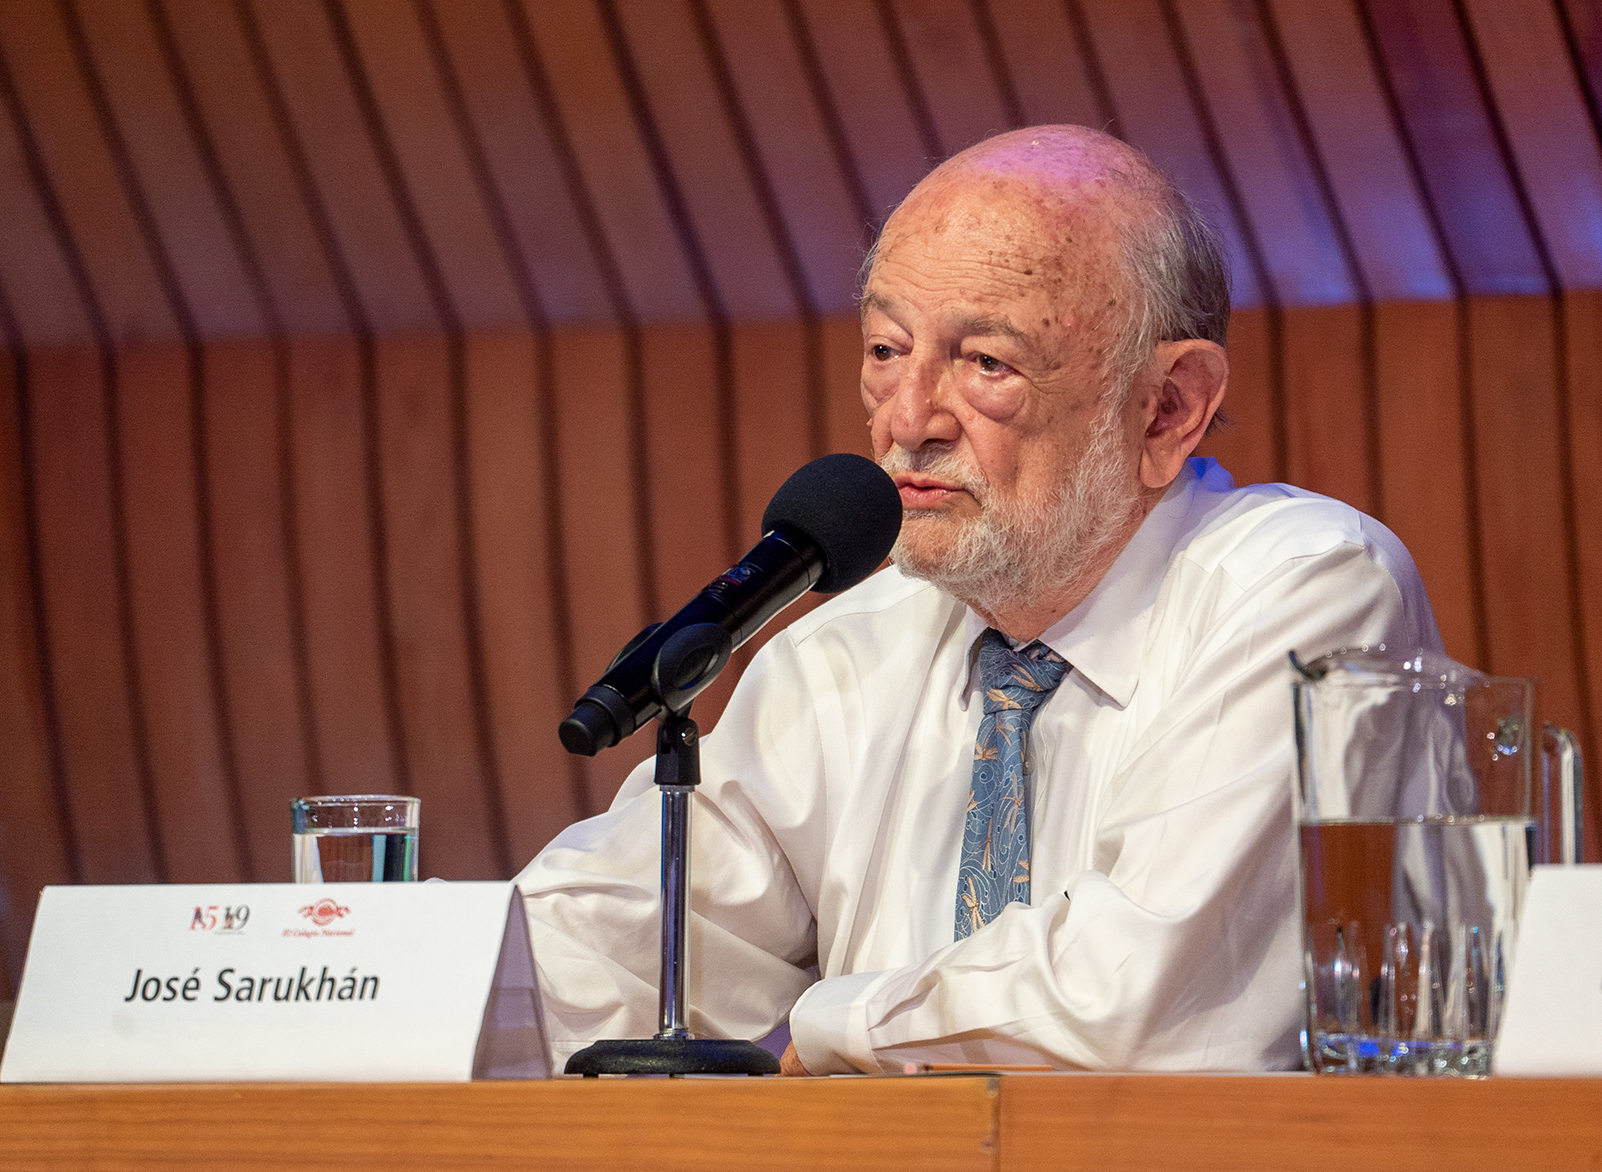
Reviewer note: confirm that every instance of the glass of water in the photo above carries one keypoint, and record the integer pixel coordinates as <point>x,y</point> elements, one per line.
<point>355,838</point>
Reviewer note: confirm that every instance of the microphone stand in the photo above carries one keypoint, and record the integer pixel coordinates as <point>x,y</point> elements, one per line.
<point>688,662</point>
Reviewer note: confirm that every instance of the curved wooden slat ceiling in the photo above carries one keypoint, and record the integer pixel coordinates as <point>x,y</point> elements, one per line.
<point>378,165</point>
<point>378,367</point>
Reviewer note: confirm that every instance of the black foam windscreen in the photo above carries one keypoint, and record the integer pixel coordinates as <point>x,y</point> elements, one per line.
<point>849,506</point>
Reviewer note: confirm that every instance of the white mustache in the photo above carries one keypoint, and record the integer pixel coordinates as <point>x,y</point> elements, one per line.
<point>941,462</point>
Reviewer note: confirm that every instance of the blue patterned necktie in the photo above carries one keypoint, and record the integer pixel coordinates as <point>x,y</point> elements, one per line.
<point>995,835</point>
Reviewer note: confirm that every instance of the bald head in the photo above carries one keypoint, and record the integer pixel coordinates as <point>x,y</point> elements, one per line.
<point>1075,162</point>
<point>1113,235</point>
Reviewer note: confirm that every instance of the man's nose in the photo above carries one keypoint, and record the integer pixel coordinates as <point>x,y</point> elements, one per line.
<point>920,410</point>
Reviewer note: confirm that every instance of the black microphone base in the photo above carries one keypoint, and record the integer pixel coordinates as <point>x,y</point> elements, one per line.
<point>672,1056</point>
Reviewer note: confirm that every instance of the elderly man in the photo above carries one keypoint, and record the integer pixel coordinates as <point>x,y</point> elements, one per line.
<point>1025,796</point>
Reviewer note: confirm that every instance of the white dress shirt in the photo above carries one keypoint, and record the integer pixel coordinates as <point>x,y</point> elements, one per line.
<point>1164,931</point>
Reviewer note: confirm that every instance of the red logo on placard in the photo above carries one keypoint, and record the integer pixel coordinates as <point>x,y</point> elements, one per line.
<point>324,911</point>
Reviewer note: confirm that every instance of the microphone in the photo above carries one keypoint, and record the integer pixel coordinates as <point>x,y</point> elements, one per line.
<point>826,529</point>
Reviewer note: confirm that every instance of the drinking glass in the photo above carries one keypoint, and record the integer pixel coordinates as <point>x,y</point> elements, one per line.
<point>355,838</point>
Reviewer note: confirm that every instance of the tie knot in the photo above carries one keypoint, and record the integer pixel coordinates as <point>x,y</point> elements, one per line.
<point>1019,679</point>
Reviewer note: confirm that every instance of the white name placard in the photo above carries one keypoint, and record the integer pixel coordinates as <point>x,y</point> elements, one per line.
<point>1553,1023</point>
<point>391,982</point>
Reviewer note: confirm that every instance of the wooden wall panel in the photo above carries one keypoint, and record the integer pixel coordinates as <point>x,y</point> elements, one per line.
<point>773,438</point>
<point>557,561</point>
<point>36,847</point>
<point>1426,480</point>
<point>103,749</point>
<point>697,538</point>
<point>351,699</point>
<point>190,759</point>
<point>1246,444</point>
<point>337,556</point>
<point>847,414</point>
<point>693,490</point>
<point>259,599</point>
<point>1583,370</point>
<point>600,521</point>
<point>1327,370</point>
<point>1523,536</point>
<point>1583,361</point>
<point>447,766</point>
<point>526,659</point>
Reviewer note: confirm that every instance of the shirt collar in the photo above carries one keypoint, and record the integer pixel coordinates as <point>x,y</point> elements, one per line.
<point>1104,637</point>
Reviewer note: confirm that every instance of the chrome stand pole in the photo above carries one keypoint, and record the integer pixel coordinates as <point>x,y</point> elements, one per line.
<point>677,755</point>
<point>674,1050</point>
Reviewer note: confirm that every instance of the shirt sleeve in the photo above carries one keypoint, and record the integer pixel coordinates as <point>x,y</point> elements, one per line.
<point>593,896</point>
<point>1180,948</point>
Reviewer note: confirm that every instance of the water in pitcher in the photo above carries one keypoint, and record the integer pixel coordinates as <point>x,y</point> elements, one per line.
<point>355,855</point>
<point>1409,933</point>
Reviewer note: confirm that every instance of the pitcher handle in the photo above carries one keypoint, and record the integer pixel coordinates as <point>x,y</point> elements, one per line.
<point>1562,796</point>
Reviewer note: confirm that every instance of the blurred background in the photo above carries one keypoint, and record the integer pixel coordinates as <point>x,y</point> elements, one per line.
<point>375,368</point>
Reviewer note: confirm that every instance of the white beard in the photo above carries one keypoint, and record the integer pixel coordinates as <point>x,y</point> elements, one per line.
<point>1015,550</point>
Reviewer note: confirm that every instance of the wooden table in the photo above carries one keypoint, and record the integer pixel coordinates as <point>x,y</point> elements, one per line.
<point>1295,1122</point>
<point>1012,1121</point>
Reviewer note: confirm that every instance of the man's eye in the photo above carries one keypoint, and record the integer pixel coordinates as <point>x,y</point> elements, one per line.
<point>991,365</point>
<point>881,352</point>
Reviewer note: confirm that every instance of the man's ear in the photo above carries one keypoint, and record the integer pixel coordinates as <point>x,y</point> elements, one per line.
<point>1190,377</point>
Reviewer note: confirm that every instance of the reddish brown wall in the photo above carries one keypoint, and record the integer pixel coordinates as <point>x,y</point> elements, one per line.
<point>382,541</point>
<point>312,569</point>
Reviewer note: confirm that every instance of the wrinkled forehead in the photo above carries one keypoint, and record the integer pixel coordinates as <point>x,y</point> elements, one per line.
<point>1061,233</point>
